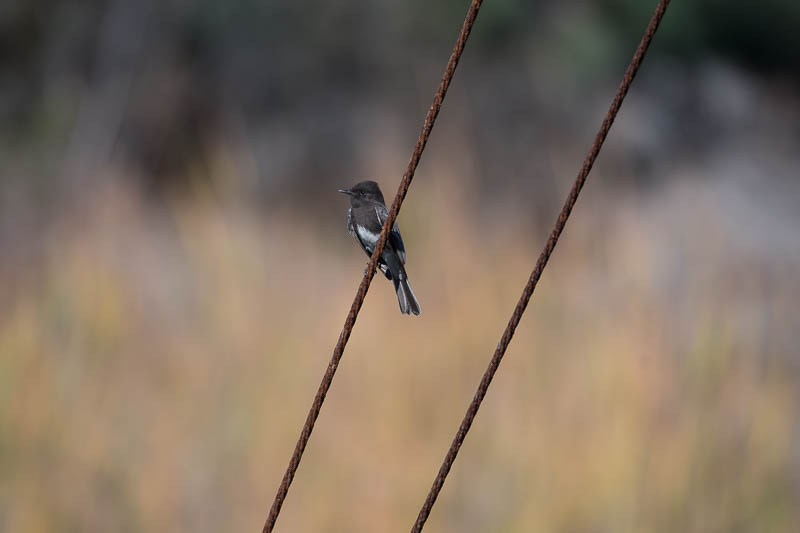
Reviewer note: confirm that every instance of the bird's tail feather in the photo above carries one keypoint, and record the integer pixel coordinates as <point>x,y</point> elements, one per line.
<point>406,298</point>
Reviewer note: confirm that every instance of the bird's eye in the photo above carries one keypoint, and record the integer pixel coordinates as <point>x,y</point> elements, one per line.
<point>362,193</point>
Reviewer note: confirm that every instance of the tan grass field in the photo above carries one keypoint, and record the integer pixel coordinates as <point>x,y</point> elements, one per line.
<point>156,365</point>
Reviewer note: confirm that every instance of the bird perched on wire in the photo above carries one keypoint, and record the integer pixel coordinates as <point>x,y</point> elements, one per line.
<point>365,220</point>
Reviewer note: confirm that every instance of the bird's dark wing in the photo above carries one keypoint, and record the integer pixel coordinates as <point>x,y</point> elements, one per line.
<point>350,228</point>
<point>394,236</point>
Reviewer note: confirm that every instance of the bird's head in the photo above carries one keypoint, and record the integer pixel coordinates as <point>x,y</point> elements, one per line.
<point>364,192</point>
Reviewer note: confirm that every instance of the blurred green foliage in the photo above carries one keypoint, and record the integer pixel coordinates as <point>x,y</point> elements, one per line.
<point>180,68</point>
<point>761,36</point>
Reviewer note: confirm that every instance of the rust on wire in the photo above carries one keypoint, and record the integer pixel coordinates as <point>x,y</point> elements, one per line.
<point>527,292</point>
<point>350,321</point>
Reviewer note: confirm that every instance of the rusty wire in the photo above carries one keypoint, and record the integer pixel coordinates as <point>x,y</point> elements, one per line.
<point>350,321</point>
<point>527,292</point>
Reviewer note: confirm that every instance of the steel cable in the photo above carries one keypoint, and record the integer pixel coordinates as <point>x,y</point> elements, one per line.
<point>350,321</point>
<point>527,292</point>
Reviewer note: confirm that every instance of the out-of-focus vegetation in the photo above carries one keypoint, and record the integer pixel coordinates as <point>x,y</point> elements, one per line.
<point>175,268</point>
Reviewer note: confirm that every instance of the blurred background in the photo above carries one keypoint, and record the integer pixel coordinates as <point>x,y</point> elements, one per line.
<point>175,270</point>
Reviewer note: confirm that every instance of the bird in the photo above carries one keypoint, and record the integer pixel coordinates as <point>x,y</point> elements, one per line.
<point>365,219</point>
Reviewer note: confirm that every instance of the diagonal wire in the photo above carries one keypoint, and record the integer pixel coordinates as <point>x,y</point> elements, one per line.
<point>422,140</point>
<point>466,423</point>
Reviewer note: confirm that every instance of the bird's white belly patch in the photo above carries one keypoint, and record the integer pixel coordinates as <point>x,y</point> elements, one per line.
<point>366,235</point>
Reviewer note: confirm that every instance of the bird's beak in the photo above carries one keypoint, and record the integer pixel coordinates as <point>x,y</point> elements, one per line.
<point>346,191</point>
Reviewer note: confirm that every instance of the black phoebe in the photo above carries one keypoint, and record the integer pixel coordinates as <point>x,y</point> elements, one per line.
<point>365,219</point>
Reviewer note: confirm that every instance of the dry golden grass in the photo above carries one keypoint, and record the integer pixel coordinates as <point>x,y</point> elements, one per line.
<point>156,367</point>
